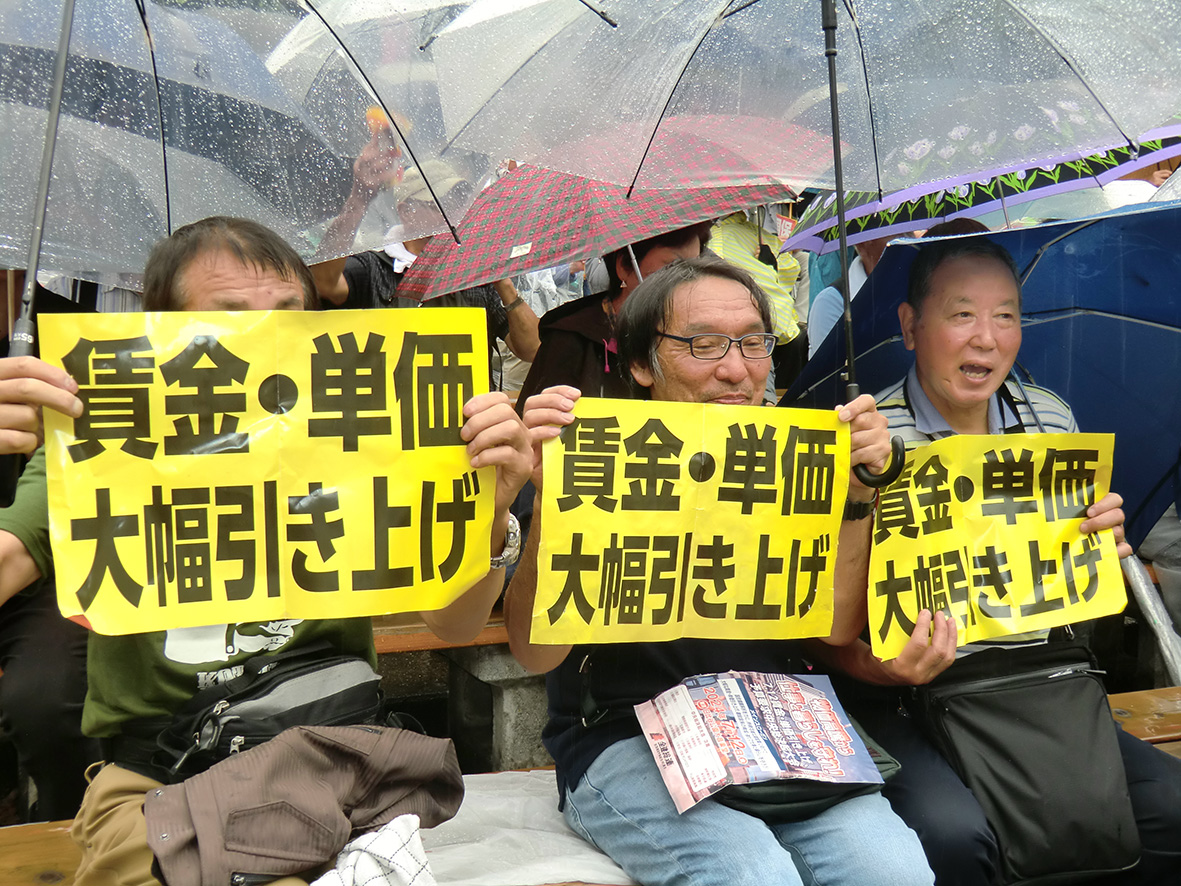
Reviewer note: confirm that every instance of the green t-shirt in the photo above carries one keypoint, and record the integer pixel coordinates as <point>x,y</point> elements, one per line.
<point>153,674</point>
<point>28,516</point>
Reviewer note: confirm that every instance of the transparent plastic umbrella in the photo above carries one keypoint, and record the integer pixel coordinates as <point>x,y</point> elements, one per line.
<point>929,90</point>
<point>1169,191</point>
<point>920,91</point>
<point>387,43</point>
<point>125,119</point>
<point>148,141</point>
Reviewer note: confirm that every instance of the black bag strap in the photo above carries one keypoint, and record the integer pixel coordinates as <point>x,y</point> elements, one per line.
<point>177,741</point>
<point>206,698</point>
<point>591,712</point>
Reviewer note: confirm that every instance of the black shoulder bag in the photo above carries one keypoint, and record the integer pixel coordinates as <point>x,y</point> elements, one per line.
<point>308,686</point>
<point>784,800</point>
<point>1029,731</point>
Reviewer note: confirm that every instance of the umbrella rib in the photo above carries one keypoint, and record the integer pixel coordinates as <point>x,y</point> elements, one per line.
<point>23,331</point>
<point>143,17</point>
<point>600,14</point>
<point>873,129</point>
<point>1067,313</point>
<point>357,71</point>
<point>1037,257</point>
<point>1069,62</point>
<point>738,9</point>
<point>671,95</point>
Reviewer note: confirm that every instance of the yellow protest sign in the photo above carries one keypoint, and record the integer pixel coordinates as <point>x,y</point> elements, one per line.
<point>239,467</point>
<point>985,528</point>
<point>666,520</point>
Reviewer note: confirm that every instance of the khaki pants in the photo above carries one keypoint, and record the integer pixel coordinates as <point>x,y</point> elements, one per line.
<point>111,831</point>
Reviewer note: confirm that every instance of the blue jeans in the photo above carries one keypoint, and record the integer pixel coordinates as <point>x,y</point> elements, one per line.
<point>622,806</point>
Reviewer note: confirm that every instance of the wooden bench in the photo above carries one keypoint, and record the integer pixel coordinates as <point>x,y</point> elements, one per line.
<point>496,709</point>
<point>407,632</point>
<point>39,854</point>
<point>1151,714</point>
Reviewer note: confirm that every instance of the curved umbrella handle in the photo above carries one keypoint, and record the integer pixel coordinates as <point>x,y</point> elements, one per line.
<point>893,469</point>
<point>897,453</point>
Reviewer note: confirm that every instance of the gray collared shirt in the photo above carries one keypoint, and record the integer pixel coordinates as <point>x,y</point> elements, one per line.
<point>928,420</point>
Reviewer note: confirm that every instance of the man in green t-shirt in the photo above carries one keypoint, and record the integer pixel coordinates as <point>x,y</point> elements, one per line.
<point>230,265</point>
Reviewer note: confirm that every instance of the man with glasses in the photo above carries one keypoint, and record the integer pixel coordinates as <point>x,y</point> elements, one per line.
<point>699,331</point>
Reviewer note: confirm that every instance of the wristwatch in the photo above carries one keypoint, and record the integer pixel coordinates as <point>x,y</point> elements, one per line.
<point>859,510</point>
<point>512,545</point>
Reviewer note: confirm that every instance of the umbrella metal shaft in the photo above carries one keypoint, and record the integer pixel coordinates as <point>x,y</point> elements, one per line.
<point>829,23</point>
<point>23,332</point>
<point>828,20</point>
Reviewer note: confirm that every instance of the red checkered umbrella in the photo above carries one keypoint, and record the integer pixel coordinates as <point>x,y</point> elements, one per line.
<point>698,150</point>
<point>538,218</point>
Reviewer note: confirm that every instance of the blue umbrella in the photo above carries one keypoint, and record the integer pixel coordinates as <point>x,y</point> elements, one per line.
<point>1101,327</point>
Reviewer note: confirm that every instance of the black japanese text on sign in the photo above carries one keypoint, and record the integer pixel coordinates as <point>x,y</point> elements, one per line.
<point>985,528</point>
<point>254,466</point>
<point>667,520</point>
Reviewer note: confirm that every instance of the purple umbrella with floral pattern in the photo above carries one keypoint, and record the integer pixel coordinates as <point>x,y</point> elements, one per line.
<point>868,217</point>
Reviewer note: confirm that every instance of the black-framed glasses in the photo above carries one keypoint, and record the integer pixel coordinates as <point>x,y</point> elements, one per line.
<point>715,346</point>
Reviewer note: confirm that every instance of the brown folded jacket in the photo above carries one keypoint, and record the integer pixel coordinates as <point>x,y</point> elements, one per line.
<point>289,806</point>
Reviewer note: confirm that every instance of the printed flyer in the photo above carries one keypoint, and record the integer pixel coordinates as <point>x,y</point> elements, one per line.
<point>742,727</point>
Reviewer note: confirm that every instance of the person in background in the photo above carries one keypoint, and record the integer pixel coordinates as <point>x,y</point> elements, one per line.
<point>578,342</point>
<point>745,242</point>
<point>543,290</point>
<point>828,307</point>
<point>1139,185</point>
<point>370,279</point>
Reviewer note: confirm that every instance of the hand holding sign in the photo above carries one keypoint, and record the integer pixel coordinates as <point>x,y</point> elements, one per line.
<point>929,652</point>
<point>496,438</point>
<point>1107,513</point>
<point>545,416</point>
<point>26,385</point>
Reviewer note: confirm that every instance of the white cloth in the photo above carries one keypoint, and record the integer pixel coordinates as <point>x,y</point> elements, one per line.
<point>509,832</point>
<point>1126,192</point>
<point>402,257</point>
<point>393,855</point>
